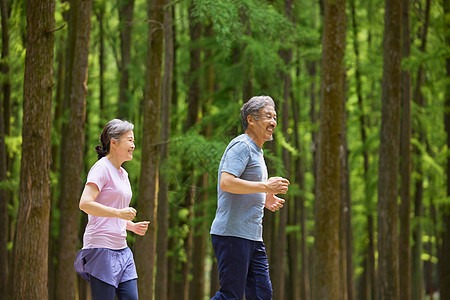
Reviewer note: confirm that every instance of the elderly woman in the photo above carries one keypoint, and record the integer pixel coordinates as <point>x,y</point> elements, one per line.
<point>105,261</point>
<point>243,191</point>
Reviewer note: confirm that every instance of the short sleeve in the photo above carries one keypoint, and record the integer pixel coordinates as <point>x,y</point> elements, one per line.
<point>98,176</point>
<point>236,159</point>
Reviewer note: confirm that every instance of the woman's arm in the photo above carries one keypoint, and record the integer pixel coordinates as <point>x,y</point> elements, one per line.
<point>91,207</point>
<point>138,228</point>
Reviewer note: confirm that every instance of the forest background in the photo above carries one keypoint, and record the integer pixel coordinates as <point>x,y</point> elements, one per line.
<point>362,92</point>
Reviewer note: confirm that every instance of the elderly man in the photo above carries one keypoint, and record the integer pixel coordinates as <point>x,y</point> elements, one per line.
<point>244,189</point>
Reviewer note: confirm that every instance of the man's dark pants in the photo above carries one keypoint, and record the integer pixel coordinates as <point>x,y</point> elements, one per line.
<point>243,266</point>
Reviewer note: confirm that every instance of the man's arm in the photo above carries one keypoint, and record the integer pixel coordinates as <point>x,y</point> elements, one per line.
<point>231,184</point>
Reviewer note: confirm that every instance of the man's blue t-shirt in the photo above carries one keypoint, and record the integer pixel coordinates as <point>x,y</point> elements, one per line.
<point>240,215</point>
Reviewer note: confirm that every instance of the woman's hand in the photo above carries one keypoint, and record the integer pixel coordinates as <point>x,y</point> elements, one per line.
<point>139,228</point>
<point>127,213</point>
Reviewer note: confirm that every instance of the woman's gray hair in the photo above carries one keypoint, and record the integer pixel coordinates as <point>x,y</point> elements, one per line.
<point>114,129</point>
<point>252,107</point>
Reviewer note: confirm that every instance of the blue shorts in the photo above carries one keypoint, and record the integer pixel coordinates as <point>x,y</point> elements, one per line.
<point>110,266</point>
<point>243,267</point>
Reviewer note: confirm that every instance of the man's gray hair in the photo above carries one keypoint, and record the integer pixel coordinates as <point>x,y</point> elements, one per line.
<point>252,107</point>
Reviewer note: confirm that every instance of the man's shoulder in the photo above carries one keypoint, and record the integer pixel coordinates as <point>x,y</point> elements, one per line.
<point>240,142</point>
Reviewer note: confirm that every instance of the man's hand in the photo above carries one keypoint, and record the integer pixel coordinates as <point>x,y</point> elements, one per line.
<point>273,203</point>
<point>277,185</point>
<point>138,228</point>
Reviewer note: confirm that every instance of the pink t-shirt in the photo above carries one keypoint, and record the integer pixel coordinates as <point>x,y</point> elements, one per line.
<point>115,191</point>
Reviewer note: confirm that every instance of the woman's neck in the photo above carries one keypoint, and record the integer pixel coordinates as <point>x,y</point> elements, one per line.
<point>116,163</point>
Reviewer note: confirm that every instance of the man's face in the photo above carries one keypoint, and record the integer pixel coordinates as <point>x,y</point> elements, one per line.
<point>264,125</point>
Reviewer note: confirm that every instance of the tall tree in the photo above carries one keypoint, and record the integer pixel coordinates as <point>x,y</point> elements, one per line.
<point>163,195</point>
<point>31,239</point>
<point>444,258</point>
<point>99,11</point>
<point>405,164</point>
<point>279,247</point>
<point>126,19</point>
<point>326,244</point>
<point>200,230</point>
<point>4,199</point>
<point>420,135</point>
<point>5,66</point>
<point>5,114</point>
<point>388,281</point>
<point>3,209</point>
<point>193,101</point>
<point>72,159</point>
<point>148,185</point>
<point>343,203</point>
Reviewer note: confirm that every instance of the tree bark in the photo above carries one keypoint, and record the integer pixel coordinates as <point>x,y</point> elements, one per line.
<point>307,268</point>
<point>326,245</point>
<point>31,239</point>
<point>100,14</point>
<point>405,164</point>
<point>417,264</point>
<point>4,124</point>
<point>3,209</point>
<point>193,100</point>
<point>369,266</point>
<point>297,216</point>
<point>145,247</point>
<point>126,19</point>
<point>200,238</point>
<point>388,281</point>
<point>344,199</point>
<point>444,249</point>
<point>278,262</point>
<point>163,195</point>
<point>4,67</point>
<point>72,162</point>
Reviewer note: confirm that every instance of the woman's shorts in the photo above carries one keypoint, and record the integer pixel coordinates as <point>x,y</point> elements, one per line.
<point>110,266</point>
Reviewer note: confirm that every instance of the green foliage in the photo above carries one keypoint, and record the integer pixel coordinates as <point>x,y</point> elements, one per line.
<point>245,46</point>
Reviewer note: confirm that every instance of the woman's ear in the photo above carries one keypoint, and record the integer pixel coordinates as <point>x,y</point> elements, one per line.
<point>113,142</point>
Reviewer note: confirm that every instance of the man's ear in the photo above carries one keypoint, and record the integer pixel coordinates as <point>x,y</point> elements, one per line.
<point>250,120</point>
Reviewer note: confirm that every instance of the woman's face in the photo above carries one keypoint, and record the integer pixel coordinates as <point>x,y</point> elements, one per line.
<point>125,146</point>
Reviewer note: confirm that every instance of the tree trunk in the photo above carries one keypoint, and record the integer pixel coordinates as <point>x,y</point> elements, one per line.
<point>163,195</point>
<point>444,258</point>
<point>100,14</point>
<point>201,232</point>
<point>417,264</point>
<point>126,19</point>
<point>3,209</point>
<point>145,248</point>
<point>193,99</point>
<point>4,67</point>
<point>388,281</point>
<point>4,122</point>
<point>346,236</point>
<point>344,195</point>
<point>326,245</point>
<point>31,239</point>
<point>5,114</point>
<point>297,278</point>
<point>72,162</point>
<point>405,164</point>
<point>369,266</point>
